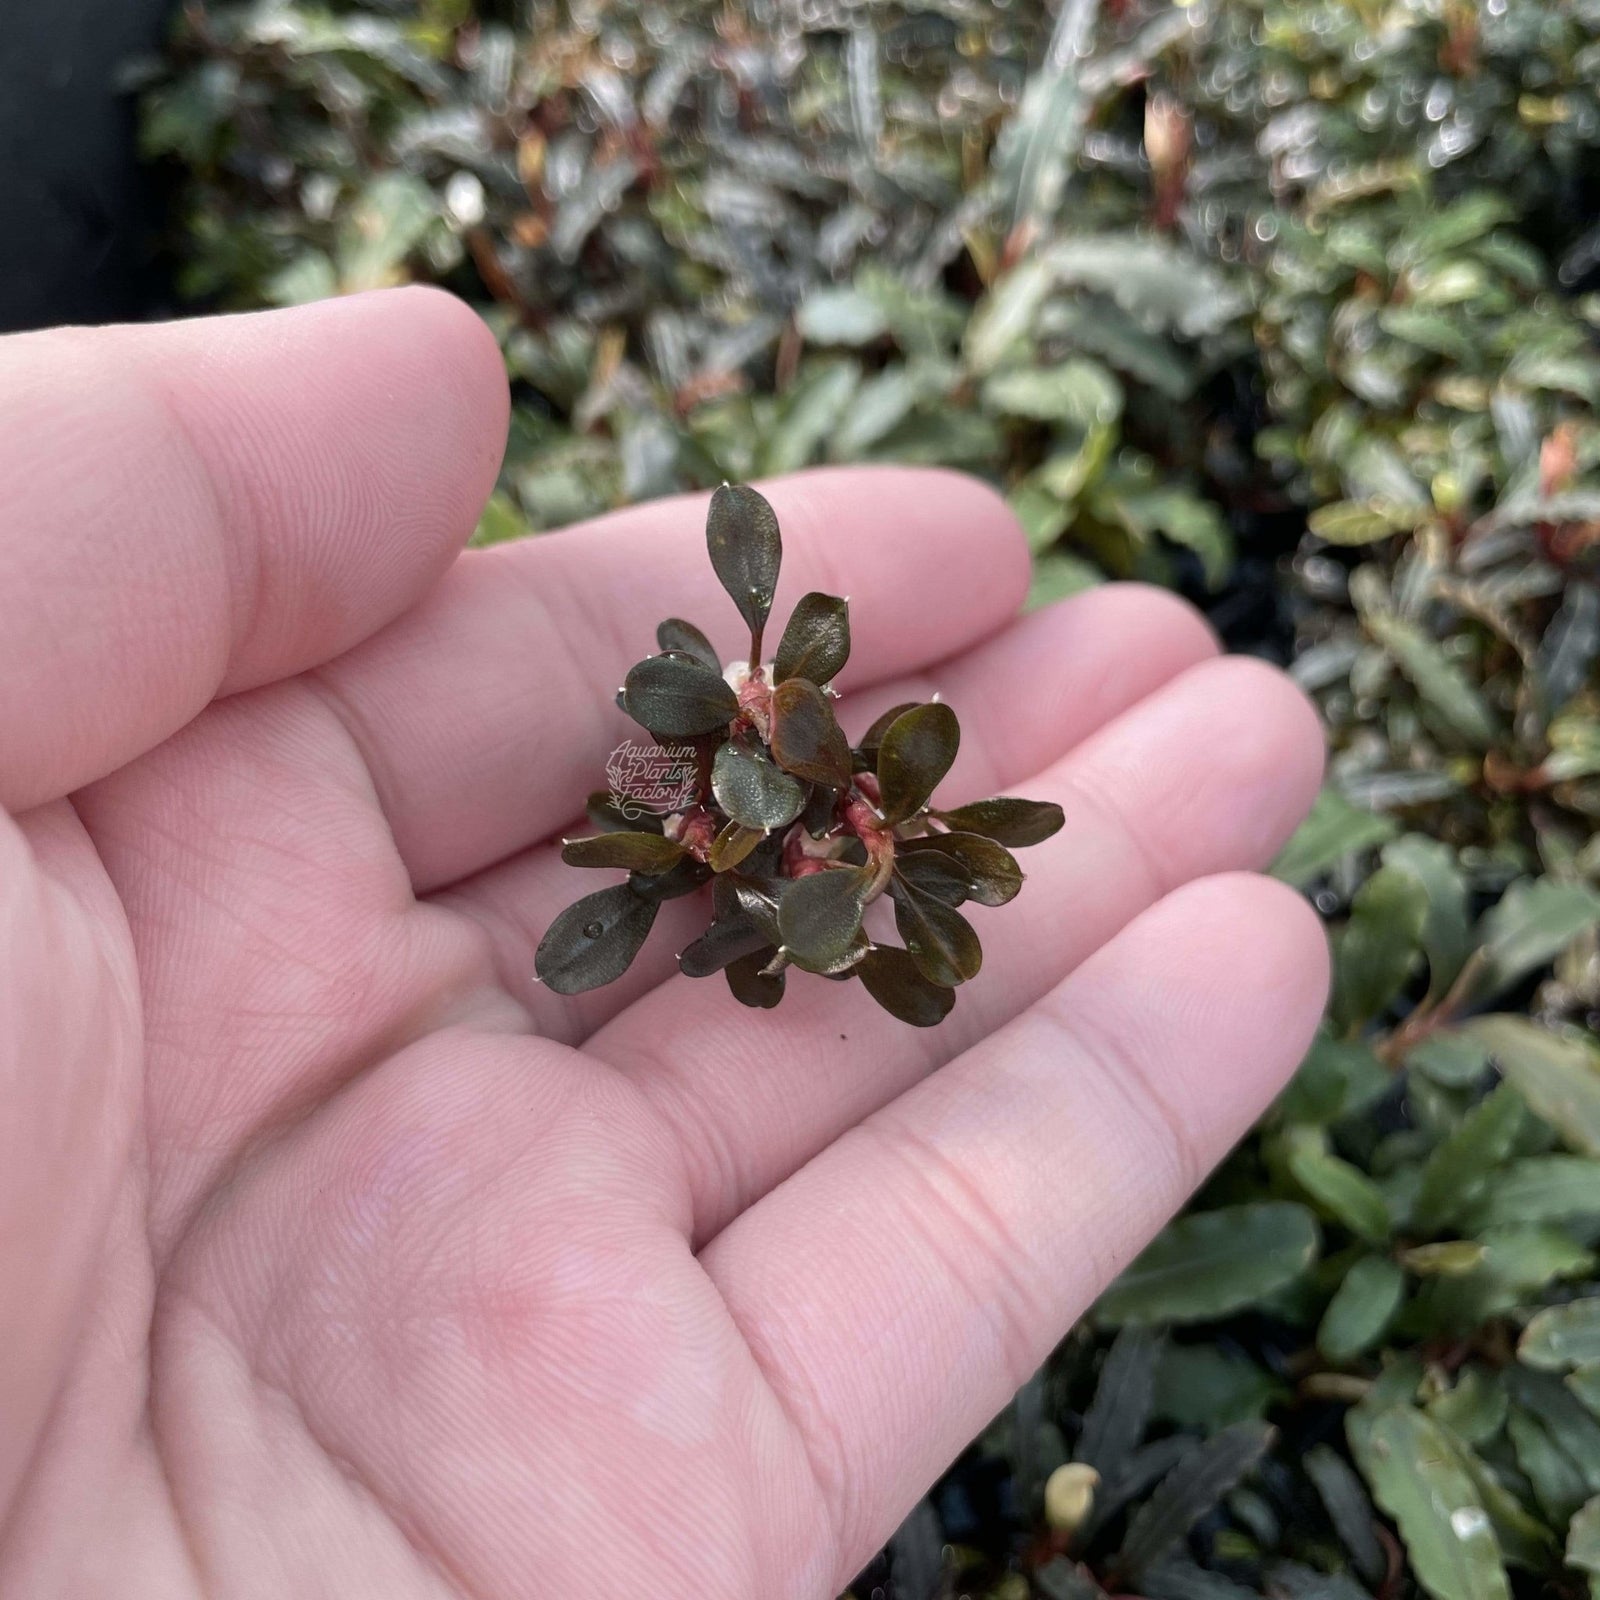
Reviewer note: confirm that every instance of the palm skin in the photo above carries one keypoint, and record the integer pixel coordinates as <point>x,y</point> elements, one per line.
<point>341,1259</point>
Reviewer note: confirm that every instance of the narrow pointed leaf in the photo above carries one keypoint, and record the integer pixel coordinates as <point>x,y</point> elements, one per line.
<point>806,739</point>
<point>816,641</point>
<point>754,791</point>
<point>993,876</point>
<point>938,938</point>
<point>746,550</point>
<point>750,984</point>
<point>1011,822</point>
<point>733,845</point>
<point>914,756</point>
<point>893,979</point>
<point>684,638</point>
<point>820,916</point>
<point>1188,1492</point>
<point>676,699</point>
<point>637,852</point>
<point>594,940</point>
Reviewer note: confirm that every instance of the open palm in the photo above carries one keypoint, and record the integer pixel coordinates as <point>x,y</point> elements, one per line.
<point>340,1258</point>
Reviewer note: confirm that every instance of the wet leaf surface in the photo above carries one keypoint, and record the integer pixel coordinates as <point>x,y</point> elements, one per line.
<point>916,751</point>
<point>593,942</point>
<point>816,640</point>
<point>675,698</point>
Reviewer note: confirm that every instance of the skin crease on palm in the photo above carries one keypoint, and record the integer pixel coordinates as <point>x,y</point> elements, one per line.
<point>342,1260</point>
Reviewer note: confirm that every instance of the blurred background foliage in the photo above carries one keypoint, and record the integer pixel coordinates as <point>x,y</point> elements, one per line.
<point>1289,304</point>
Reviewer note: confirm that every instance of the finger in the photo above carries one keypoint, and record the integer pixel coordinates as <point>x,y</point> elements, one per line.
<point>1209,774</point>
<point>486,715</point>
<point>201,507</point>
<point>900,1288</point>
<point>1026,697</point>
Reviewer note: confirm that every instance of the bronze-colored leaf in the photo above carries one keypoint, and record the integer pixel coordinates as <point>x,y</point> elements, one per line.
<point>754,791</point>
<point>938,938</point>
<point>746,550</point>
<point>724,942</point>
<point>872,739</point>
<point>806,739</point>
<point>604,813</point>
<point>915,753</point>
<point>673,884</point>
<point>732,845</point>
<point>676,699</point>
<point>932,872</point>
<point>821,806</point>
<point>819,916</point>
<point>685,639</point>
<point>1011,822</point>
<point>993,876</point>
<point>637,852</point>
<point>895,981</point>
<point>816,641</point>
<point>750,984</point>
<point>594,940</point>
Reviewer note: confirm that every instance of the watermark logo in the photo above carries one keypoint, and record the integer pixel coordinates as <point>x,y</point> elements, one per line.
<point>652,779</point>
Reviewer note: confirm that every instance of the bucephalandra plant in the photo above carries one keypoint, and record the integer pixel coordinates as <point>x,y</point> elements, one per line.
<point>797,830</point>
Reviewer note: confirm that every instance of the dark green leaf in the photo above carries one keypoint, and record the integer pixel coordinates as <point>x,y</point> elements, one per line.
<point>683,637</point>
<point>1463,1164</point>
<point>1120,1411</point>
<point>1205,1388</point>
<point>1558,1075</point>
<point>1344,1498</point>
<point>806,740</point>
<point>1212,1262</point>
<point>1188,1492</point>
<point>1562,1336</point>
<point>746,550</point>
<point>915,753</point>
<point>820,916</point>
<point>754,791</point>
<point>750,984</point>
<point>816,642</point>
<point>1335,829</point>
<point>733,933</point>
<point>594,940</point>
<point>931,872</point>
<point>938,938</point>
<point>993,876</point>
<point>1341,1190</point>
<point>1013,823</point>
<point>676,699</point>
<point>637,852</point>
<point>892,978</point>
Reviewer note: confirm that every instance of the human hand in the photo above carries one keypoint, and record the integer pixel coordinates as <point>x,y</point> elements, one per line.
<point>341,1259</point>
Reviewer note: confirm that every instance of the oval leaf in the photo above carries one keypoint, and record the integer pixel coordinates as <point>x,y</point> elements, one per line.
<point>1361,1308</point>
<point>993,876</point>
<point>892,978</point>
<point>820,916</point>
<point>816,642</point>
<point>931,872</point>
<point>806,740</point>
<point>746,550</point>
<point>637,852</point>
<point>727,940</point>
<point>915,754</point>
<point>594,940</point>
<point>1013,823</point>
<point>686,639</point>
<point>676,699</point>
<point>938,938</point>
<point>872,739</point>
<point>754,791</point>
<point>750,984</point>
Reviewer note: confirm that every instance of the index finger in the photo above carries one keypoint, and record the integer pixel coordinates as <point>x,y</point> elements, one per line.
<point>202,507</point>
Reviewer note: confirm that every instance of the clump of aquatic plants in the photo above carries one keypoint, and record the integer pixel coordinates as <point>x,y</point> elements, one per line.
<point>797,830</point>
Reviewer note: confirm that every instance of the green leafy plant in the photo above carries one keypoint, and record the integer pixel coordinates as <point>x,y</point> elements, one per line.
<point>798,831</point>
